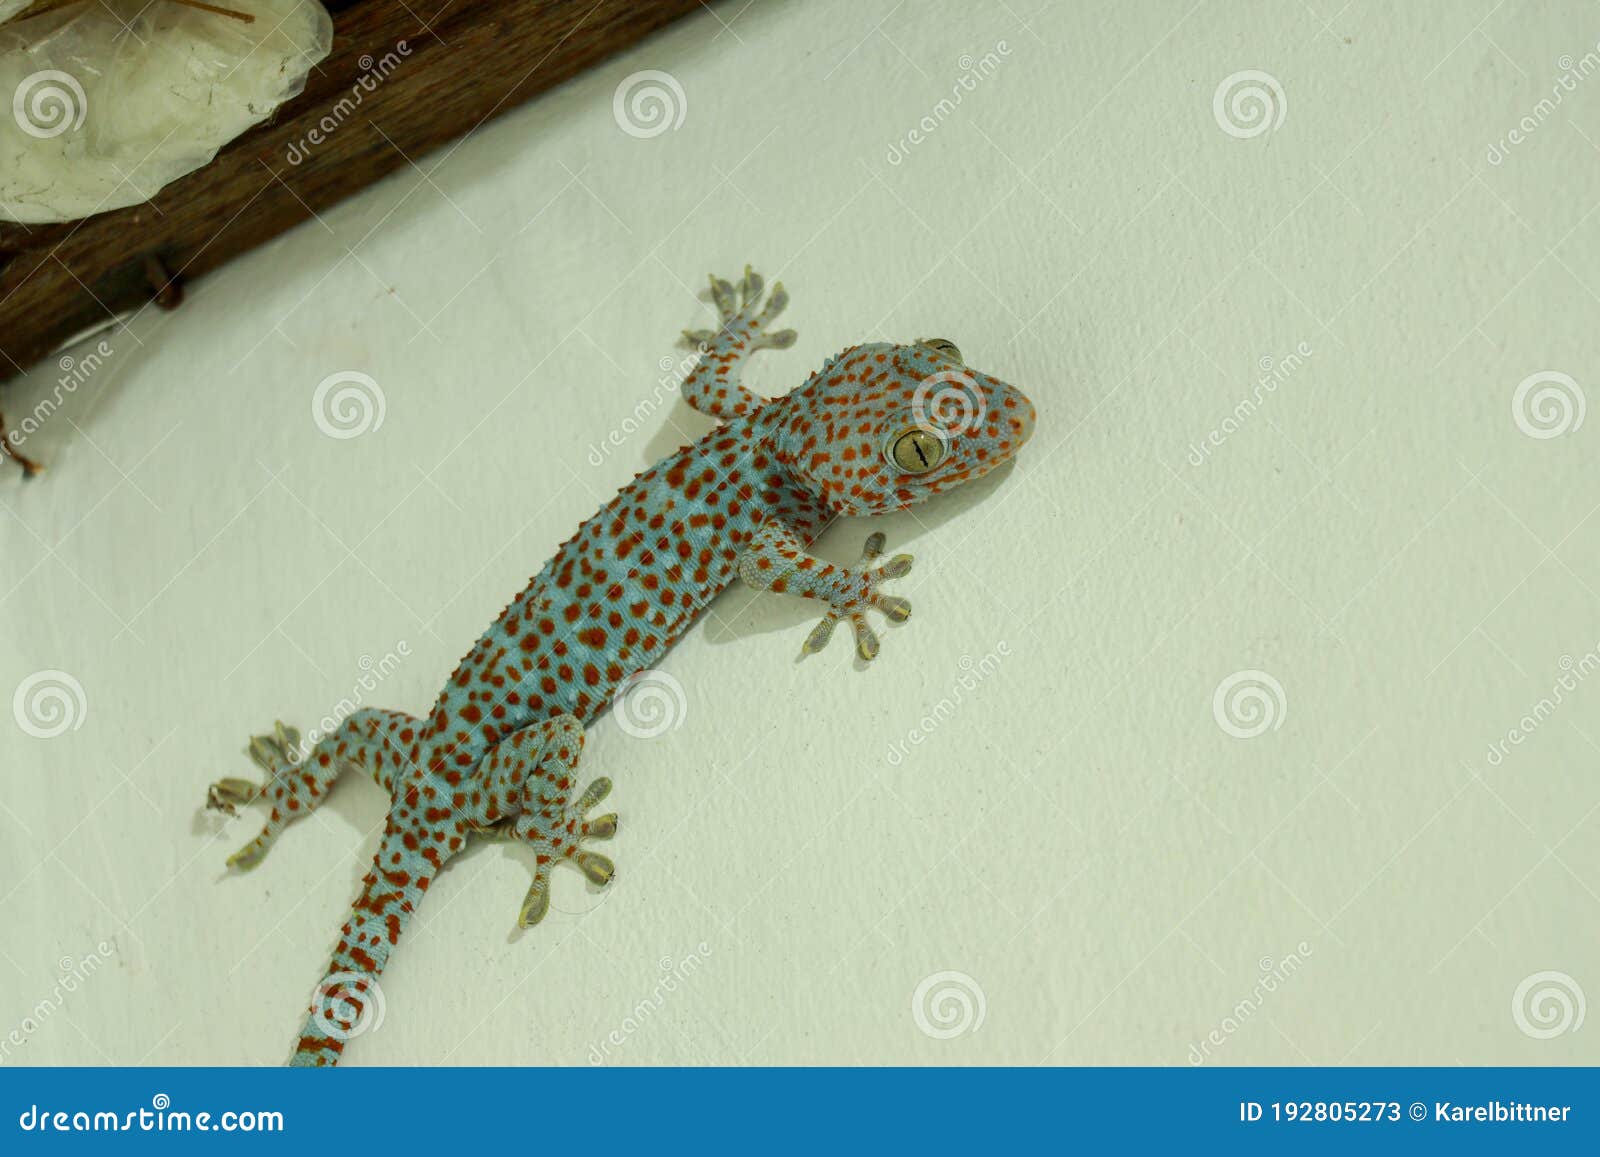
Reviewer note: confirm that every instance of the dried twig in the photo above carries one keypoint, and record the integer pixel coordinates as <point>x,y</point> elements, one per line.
<point>43,6</point>
<point>29,466</point>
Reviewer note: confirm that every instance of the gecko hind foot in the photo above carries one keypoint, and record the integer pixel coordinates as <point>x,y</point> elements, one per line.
<point>895,608</point>
<point>274,754</point>
<point>558,833</point>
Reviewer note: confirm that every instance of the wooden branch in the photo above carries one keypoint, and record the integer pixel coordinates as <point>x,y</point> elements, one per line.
<point>475,60</point>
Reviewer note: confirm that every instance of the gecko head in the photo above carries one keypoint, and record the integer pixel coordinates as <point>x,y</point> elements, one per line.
<point>882,427</point>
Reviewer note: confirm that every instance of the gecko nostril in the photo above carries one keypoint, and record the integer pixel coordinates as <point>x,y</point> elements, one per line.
<point>1022,423</point>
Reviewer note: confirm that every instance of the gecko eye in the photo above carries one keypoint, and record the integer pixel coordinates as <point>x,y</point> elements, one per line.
<point>916,451</point>
<point>944,346</point>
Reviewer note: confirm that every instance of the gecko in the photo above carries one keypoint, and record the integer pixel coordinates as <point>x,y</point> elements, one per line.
<point>880,427</point>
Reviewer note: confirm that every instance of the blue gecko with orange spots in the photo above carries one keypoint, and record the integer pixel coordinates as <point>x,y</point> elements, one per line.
<point>878,428</point>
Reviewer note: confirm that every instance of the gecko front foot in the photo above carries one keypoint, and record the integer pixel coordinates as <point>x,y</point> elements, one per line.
<point>895,608</point>
<point>744,325</point>
<point>557,831</point>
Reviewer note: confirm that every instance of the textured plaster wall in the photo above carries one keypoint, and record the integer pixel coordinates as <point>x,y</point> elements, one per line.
<point>1080,832</point>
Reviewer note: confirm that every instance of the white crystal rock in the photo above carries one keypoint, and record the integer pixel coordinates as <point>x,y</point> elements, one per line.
<point>113,99</point>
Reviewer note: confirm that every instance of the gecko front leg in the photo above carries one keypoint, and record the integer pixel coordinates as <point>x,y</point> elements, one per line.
<point>775,560</point>
<point>713,386</point>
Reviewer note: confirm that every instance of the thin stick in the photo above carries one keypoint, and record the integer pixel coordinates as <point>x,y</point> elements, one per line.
<point>230,13</point>
<point>42,6</point>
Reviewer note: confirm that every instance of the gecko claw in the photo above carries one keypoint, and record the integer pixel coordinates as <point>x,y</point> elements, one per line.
<point>866,638</point>
<point>598,868</point>
<point>229,795</point>
<point>722,297</point>
<point>536,903</point>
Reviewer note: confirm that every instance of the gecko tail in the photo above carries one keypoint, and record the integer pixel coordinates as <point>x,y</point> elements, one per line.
<point>348,1001</point>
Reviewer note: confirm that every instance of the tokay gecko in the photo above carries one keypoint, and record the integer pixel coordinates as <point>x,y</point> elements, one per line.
<point>876,429</point>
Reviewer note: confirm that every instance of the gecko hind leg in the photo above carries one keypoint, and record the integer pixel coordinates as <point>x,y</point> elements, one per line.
<point>297,781</point>
<point>538,771</point>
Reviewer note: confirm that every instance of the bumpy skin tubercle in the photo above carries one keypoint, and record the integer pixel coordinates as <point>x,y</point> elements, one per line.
<point>879,428</point>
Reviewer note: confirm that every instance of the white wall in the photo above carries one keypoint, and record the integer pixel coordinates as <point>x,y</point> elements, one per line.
<point>1081,838</point>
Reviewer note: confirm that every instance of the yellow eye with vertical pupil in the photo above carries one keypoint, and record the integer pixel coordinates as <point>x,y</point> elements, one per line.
<point>916,451</point>
<point>944,347</point>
